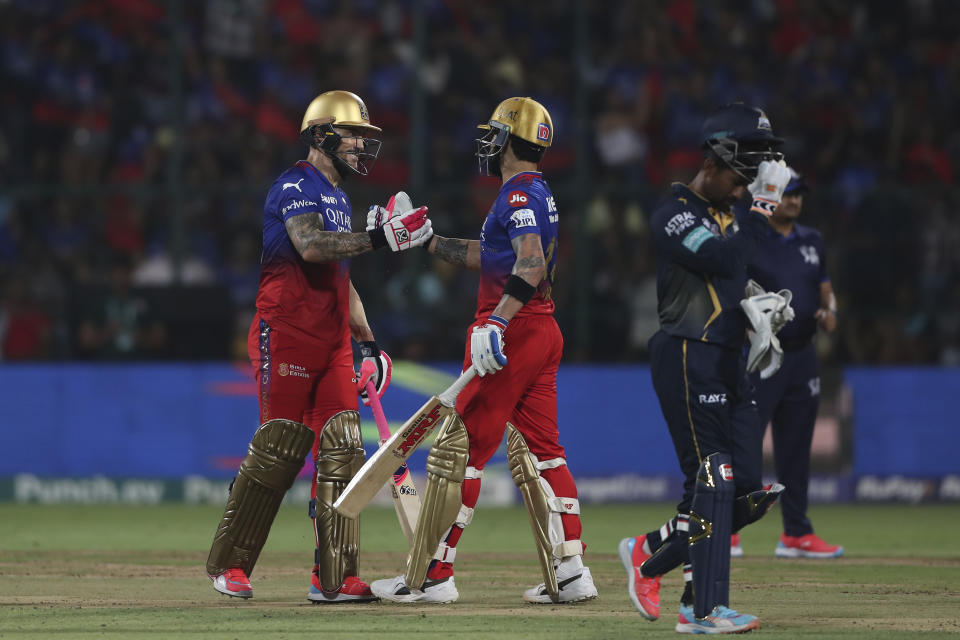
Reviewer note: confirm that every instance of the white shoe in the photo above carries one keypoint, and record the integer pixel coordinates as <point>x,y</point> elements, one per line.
<point>573,589</point>
<point>442,591</point>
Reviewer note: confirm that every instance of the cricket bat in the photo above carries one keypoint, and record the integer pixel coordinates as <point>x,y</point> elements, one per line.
<point>404,492</point>
<point>380,466</point>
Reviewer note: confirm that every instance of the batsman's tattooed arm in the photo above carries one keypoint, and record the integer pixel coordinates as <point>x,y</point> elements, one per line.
<point>465,253</point>
<point>530,264</point>
<point>314,244</point>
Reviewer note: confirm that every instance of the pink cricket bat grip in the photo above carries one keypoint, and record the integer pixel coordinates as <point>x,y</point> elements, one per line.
<point>382,427</point>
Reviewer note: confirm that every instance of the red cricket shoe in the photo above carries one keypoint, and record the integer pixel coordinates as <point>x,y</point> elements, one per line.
<point>233,582</point>
<point>808,546</point>
<point>736,550</point>
<point>644,592</point>
<point>353,589</point>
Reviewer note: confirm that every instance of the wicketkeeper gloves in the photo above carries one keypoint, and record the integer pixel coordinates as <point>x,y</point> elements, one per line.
<point>767,188</point>
<point>766,313</point>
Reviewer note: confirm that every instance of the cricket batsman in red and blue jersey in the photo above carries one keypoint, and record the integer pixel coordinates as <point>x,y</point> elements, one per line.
<point>300,346</point>
<point>515,346</point>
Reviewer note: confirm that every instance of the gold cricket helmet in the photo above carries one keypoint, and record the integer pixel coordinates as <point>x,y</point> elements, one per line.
<point>347,111</point>
<point>524,118</point>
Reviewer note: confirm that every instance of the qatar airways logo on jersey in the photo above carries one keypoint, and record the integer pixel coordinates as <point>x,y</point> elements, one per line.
<point>339,219</point>
<point>679,222</point>
<point>298,204</point>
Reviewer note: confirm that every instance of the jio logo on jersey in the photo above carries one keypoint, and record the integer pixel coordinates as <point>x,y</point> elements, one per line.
<point>543,132</point>
<point>517,199</point>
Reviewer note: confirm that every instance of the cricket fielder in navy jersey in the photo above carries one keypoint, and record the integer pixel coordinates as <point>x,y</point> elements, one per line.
<point>300,347</point>
<point>515,346</point>
<point>699,372</point>
<point>791,256</point>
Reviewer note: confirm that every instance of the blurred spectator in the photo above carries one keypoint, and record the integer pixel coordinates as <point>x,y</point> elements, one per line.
<point>117,323</point>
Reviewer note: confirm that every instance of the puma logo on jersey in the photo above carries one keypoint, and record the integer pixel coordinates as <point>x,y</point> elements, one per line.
<point>295,185</point>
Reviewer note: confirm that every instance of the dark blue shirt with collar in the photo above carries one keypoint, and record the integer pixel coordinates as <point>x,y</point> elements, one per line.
<point>797,262</point>
<point>702,256</point>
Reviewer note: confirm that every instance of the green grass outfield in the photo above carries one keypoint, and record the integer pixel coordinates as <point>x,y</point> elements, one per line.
<point>137,572</point>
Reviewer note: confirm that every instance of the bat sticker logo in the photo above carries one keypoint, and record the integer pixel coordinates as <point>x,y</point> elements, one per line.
<point>416,433</point>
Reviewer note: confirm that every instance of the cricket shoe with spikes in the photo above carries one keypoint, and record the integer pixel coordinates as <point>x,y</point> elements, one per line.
<point>644,592</point>
<point>574,580</point>
<point>233,582</point>
<point>353,589</point>
<point>442,591</point>
<point>721,620</point>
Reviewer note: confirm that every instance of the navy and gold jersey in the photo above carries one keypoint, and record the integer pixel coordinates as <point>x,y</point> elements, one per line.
<point>702,267</point>
<point>797,262</point>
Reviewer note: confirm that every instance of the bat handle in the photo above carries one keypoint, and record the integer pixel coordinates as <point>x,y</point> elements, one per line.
<point>382,428</point>
<point>449,397</point>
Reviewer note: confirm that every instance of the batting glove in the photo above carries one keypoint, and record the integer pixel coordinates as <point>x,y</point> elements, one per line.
<point>486,346</point>
<point>399,203</point>
<point>376,366</point>
<point>767,189</point>
<point>403,231</point>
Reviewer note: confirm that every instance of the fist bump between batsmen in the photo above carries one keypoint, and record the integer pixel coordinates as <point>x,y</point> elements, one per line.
<point>486,346</point>
<point>376,366</point>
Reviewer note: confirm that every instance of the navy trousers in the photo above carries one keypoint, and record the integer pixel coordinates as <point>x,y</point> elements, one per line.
<point>707,401</point>
<point>789,401</point>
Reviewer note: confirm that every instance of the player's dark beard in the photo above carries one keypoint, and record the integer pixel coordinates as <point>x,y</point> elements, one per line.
<point>342,167</point>
<point>493,166</point>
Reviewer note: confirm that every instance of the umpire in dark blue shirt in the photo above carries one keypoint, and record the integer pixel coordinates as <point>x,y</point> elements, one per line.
<point>791,256</point>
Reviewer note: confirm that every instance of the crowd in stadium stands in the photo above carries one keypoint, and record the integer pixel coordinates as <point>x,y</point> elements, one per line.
<point>96,156</point>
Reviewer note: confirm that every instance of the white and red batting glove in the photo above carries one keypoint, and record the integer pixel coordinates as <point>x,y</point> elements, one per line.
<point>767,189</point>
<point>486,346</point>
<point>399,203</point>
<point>404,231</point>
<point>376,366</point>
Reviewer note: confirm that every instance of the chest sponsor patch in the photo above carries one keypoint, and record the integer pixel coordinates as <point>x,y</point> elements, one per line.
<point>523,218</point>
<point>679,222</point>
<point>696,238</point>
<point>517,199</point>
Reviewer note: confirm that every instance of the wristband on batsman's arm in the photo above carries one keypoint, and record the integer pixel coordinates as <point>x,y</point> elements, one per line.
<point>761,205</point>
<point>519,288</point>
<point>378,238</point>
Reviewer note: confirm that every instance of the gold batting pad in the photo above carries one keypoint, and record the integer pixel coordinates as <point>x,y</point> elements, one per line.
<point>339,457</point>
<point>446,468</point>
<point>274,458</point>
<point>527,478</point>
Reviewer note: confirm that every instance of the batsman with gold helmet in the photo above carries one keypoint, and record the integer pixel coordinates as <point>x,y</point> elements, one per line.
<point>515,346</point>
<point>300,348</point>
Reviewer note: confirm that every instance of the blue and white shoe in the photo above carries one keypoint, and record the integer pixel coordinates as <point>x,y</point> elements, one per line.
<point>721,620</point>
